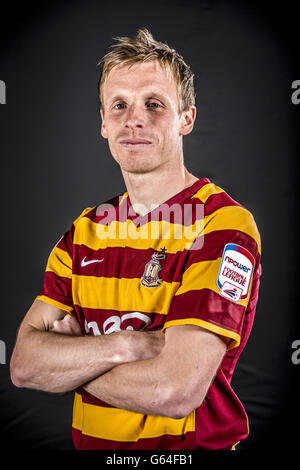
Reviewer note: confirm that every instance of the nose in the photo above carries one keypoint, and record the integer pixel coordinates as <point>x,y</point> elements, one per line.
<point>134,117</point>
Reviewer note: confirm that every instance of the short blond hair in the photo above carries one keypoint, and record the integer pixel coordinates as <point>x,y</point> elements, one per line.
<point>142,48</point>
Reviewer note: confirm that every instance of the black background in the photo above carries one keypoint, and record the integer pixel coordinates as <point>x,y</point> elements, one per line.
<point>54,164</point>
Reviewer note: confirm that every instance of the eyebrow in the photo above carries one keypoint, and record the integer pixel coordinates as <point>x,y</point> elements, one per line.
<point>148,95</point>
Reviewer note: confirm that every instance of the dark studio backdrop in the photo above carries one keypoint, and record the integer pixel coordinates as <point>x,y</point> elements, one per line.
<point>55,163</point>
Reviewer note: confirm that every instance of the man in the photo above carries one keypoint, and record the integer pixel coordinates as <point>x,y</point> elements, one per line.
<point>171,267</point>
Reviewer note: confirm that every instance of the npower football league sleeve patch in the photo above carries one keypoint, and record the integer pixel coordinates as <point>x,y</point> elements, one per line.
<point>235,272</point>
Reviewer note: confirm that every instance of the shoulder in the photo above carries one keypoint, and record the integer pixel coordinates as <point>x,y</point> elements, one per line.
<point>224,217</point>
<point>214,197</point>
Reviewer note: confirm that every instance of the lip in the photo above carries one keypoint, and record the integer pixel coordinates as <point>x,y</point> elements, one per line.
<point>134,143</point>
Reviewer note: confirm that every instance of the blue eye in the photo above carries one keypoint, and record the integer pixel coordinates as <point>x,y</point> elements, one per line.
<point>153,105</point>
<point>119,106</point>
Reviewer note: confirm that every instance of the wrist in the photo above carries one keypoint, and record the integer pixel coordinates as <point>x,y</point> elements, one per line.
<point>121,347</point>
<point>129,350</point>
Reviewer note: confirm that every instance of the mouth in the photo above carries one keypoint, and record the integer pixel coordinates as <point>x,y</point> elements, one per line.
<point>135,143</point>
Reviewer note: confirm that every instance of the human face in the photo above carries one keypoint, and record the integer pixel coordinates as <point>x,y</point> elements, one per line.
<point>140,118</point>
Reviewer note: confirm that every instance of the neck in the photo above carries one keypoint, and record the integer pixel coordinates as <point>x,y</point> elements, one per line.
<point>148,190</point>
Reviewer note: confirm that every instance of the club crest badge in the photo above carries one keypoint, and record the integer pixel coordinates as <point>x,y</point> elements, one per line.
<point>153,267</point>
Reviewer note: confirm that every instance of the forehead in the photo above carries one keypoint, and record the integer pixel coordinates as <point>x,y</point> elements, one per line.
<point>141,77</point>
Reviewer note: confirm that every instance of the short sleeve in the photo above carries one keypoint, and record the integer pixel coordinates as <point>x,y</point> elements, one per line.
<point>220,279</point>
<point>57,284</point>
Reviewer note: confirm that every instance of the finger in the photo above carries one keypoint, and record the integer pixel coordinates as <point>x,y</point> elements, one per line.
<point>57,326</point>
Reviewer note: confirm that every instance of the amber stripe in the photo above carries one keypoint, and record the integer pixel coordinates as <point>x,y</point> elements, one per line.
<point>155,235</point>
<point>174,237</point>
<point>232,218</point>
<point>124,425</point>
<point>55,303</point>
<point>60,263</point>
<point>113,293</point>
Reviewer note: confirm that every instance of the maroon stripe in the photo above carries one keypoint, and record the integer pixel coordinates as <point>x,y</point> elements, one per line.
<point>57,288</point>
<point>91,400</point>
<point>183,197</point>
<point>100,316</point>
<point>96,213</point>
<point>207,305</point>
<point>107,212</point>
<point>214,243</point>
<point>216,201</point>
<point>66,241</point>
<point>184,213</point>
<point>129,263</point>
<point>185,441</point>
<point>91,214</point>
<point>124,262</point>
<point>112,210</point>
<point>231,357</point>
<point>221,418</point>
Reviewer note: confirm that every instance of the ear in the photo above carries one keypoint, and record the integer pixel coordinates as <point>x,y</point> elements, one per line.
<point>187,120</point>
<point>103,128</point>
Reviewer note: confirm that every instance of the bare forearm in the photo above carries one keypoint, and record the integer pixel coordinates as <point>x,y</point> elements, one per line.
<point>139,386</point>
<point>172,384</point>
<point>57,363</point>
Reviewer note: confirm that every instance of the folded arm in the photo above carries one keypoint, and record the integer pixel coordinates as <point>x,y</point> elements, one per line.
<point>173,383</point>
<point>45,359</point>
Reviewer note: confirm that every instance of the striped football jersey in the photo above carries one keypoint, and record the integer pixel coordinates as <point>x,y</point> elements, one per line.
<point>193,260</point>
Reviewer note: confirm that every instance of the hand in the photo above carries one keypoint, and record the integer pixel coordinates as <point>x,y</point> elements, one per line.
<point>67,326</point>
